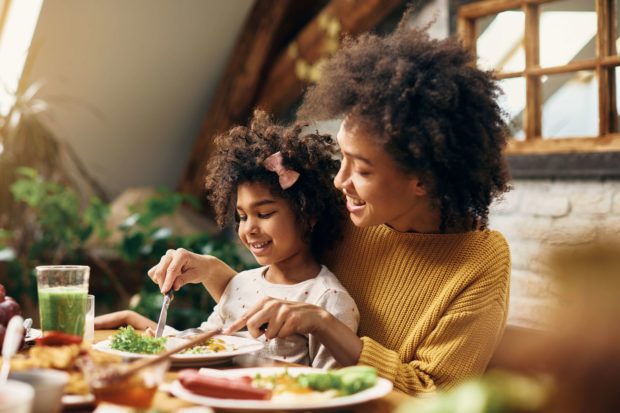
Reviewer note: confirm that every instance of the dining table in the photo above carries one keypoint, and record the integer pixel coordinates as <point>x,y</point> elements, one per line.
<point>165,402</point>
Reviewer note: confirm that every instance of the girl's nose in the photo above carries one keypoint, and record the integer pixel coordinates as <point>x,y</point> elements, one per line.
<point>252,225</point>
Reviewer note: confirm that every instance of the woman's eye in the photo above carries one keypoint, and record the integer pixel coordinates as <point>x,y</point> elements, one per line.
<point>241,217</point>
<point>267,215</point>
<point>362,173</point>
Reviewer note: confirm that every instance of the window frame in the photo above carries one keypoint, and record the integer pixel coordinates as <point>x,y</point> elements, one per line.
<point>534,147</point>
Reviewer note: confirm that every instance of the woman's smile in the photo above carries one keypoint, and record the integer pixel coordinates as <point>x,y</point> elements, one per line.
<point>355,204</point>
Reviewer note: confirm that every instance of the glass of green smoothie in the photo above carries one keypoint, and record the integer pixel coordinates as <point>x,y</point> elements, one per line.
<point>62,297</point>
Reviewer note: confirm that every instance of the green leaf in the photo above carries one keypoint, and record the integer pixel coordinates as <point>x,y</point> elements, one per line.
<point>96,215</point>
<point>131,246</point>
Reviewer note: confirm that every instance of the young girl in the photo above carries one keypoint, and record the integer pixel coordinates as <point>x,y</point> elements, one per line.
<point>276,185</point>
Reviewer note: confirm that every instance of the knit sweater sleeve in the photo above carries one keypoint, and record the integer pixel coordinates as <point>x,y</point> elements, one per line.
<point>459,346</point>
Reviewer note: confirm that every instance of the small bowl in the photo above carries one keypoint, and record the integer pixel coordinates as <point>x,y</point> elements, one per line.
<point>49,386</point>
<point>16,397</point>
<point>136,391</point>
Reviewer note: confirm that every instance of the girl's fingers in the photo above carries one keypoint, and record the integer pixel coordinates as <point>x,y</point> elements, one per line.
<point>237,325</point>
<point>289,327</point>
<point>255,322</point>
<point>158,272</point>
<point>178,259</point>
<point>276,321</point>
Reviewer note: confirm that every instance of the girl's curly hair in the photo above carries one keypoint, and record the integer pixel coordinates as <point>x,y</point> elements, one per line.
<point>433,111</point>
<point>239,157</point>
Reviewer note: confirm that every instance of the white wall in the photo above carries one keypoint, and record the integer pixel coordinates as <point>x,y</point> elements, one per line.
<point>150,67</point>
<point>540,214</point>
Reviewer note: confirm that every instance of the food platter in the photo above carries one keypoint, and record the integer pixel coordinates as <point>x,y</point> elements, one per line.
<point>381,388</point>
<point>235,346</point>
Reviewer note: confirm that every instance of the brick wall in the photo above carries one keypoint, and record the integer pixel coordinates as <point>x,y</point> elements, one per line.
<point>538,214</point>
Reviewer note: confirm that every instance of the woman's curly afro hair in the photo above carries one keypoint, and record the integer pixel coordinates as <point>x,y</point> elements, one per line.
<point>433,111</point>
<point>239,157</point>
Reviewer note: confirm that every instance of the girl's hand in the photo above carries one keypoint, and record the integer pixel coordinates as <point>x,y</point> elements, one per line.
<point>179,267</point>
<point>284,318</point>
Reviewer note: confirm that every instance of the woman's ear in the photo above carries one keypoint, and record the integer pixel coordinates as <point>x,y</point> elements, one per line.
<point>313,222</point>
<point>417,186</point>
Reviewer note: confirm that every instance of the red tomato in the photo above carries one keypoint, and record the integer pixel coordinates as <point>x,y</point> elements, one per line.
<point>57,338</point>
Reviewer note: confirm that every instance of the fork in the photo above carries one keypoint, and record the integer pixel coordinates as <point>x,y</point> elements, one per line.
<point>190,332</point>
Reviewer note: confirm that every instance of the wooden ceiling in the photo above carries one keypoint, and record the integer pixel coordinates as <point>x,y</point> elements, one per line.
<point>277,55</point>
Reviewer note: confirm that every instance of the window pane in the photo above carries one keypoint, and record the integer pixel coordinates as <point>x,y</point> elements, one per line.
<point>567,32</point>
<point>512,103</point>
<point>500,43</point>
<point>570,105</point>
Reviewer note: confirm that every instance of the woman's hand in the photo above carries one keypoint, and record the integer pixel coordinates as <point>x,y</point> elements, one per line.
<point>285,318</point>
<point>179,267</point>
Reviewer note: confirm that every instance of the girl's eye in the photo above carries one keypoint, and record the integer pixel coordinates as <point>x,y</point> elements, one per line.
<point>267,215</point>
<point>240,217</point>
<point>362,173</point>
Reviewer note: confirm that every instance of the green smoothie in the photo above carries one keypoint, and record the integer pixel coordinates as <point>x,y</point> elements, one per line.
<point>63,309</point>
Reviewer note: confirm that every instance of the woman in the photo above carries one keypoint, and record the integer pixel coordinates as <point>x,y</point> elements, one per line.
<point>421,142</point>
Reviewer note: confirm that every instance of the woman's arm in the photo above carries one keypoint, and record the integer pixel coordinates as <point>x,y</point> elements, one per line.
<point>460,346</point>
<point>179,267</point>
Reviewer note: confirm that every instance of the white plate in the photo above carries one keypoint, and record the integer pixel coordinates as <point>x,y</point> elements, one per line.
<point>33,334</point>
<point>380,389</point>
<point>73,401</point>
<point>241,345</point>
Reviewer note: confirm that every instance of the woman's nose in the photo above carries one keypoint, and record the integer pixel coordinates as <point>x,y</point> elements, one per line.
<point>341,177</point>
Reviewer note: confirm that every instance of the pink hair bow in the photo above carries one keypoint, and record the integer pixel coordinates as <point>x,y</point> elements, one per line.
<point>287,177</point>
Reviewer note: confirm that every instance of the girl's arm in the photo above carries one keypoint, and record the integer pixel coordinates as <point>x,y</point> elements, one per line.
<point>338,338</point>
<point>179,267</point>
<point>285,318</point>
<point>123,318</point>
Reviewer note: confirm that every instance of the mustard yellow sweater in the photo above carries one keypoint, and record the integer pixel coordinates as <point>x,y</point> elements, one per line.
<point>432,306</point>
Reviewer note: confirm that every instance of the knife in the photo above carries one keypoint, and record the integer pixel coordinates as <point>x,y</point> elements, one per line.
<point>163,313</point>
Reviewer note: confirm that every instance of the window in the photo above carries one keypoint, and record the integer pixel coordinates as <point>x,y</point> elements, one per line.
<point>18,20</point>
<point>558,65</point>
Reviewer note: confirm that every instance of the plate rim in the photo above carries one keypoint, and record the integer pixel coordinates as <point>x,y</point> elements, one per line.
<point>81,399</point>
<point>382,388</point>
<point>253,346</point>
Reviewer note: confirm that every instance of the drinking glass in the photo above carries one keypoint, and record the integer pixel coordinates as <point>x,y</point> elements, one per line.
<point>62,297</point>
<point>89,319</point>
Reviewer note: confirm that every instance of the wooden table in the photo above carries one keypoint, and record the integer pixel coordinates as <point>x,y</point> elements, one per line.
<point>165,402</point>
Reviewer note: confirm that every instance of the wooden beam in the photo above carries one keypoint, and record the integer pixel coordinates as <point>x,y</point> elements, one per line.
<point>301,61</point>
<point>485,8</point>
<point>607,113</point>
<point>468,34</point>
<point>533,110</point>
<point>609,143</point>
<point>237,90</point>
